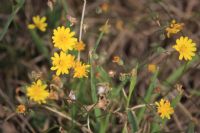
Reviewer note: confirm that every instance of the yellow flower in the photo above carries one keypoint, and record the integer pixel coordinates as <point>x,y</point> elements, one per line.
<point>37,92</point>
<point>80,46</point>
<point>185,47</point>
<point>174,28</point>
<point>116,59</point>
<point>80,70</point>
<point>104,7</point>
<point>62,63</point>
<point>152,68</point>
<point>63,38</point>
<point>164,109</point>
<point>38,23</point>
<point>21,108</point>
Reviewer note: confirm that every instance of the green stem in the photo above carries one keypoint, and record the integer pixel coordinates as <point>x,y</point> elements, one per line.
<point>98,41</point>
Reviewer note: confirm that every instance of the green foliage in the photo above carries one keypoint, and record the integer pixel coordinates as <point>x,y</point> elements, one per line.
<point>126,111</point>
<point>148,95</point>
<point>39,43</point>
<point>133,121</point>
<point>11,17</point>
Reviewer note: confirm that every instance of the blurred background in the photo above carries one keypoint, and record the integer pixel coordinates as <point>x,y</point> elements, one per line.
<point>136,33</point>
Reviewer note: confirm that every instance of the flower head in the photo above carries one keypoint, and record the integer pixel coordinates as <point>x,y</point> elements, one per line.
<point>174,28</point>
<point>185,47</point>
<point>80,70</point>
<point>21,108</point>
<point>63,38</point>
<point>80,46</point>
<point>38,22</point>
<point>152,68</point>
<point>62,63</point>
<point>105,28</point>
<point>164,109</point>
<point>104,7</point>
<point>37,92</point>
<point>116,59</point>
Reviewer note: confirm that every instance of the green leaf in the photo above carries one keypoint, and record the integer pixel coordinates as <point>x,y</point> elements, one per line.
<point>133,80</point>
<point>104,74</point>
<point>133,121</point>
<point>195,92</point>
<point>98,41</point>
<point>39,44</point>
<point>19,5</point>
<point>176,100</point>
<point>125,128</point>
<point>179,72</point>
<point>105,124</point>
<point>191,128</point>
<point>148,95</point>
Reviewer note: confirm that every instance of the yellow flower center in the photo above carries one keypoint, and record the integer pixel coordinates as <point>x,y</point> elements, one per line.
<point>38,24</point>
<point>63,38</point>
<point>38,93</point>
<point>183,48</point>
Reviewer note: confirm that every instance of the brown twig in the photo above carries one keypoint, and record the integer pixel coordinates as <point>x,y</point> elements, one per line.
<point>7,100</point>
<point>84,129</point>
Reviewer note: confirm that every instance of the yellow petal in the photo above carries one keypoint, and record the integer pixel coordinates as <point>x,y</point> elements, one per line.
<point>43,19</point>
<point>31,26</point>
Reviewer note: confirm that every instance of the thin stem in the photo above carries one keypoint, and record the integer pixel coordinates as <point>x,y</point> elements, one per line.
<point>140,106</point>
<point>81,25</point>
<point>67,117</point>
<point>7,100</point>
<point>88,124</point>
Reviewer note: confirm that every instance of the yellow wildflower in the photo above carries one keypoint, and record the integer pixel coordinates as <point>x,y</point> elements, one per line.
<point>185,47</point>
<point>152,68</point>
<point>80,70</point>
<point>62,63</point>
<point>80,46</point>
<point>174,28</point>
<point>116,59</point>
<point>63,38</point>
<point>21,108</point>
<point>104,7</point>
<point>164,109</point>
<point>37,92</point>
<point>38,22</point>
